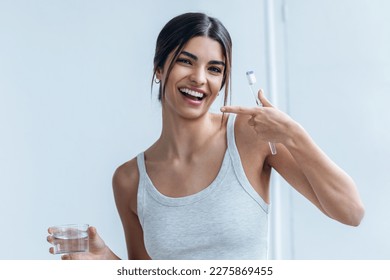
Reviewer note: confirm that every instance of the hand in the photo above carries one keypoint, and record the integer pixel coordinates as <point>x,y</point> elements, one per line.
<point>270,124</point>
<point>97,247</point>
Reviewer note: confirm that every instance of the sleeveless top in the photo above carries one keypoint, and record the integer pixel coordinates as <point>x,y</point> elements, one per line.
<point>226,220</point>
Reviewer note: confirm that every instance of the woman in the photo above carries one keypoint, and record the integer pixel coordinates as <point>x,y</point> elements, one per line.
<point>201,191</point>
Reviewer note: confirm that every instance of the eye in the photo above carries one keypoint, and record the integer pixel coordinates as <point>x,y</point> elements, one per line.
<point>215,70</point>
<point>183,60</point>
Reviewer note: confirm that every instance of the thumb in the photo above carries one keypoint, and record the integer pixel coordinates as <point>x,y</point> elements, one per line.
<point>95,238</point>
<point>92,233</point>
<point>263,99</point>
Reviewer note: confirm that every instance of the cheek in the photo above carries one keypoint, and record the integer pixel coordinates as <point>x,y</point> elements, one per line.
<point>216,85</point>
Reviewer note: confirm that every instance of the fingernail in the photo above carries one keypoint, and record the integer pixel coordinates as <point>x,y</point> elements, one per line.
<point>223,109</point>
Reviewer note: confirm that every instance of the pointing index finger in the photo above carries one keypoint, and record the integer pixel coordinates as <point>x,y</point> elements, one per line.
<point>240,110</point>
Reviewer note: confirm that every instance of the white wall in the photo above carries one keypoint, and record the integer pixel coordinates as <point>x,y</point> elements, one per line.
<point>75,103</point>
<point>337,81</point>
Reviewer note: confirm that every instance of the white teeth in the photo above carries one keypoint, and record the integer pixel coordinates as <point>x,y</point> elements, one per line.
<point>192,92</point>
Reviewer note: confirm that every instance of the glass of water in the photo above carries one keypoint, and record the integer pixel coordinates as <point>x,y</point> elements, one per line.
<point>71,238</point>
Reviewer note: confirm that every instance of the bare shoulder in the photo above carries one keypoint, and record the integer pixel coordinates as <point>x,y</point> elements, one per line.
<point>125,174</point>
<point>125,184</point>
<point>244,131</point>
<point>250,146</point>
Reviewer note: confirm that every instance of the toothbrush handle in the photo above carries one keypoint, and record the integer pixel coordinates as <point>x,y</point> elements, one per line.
<point>272,148</point>
<point>258,102</point>
<point>271,145</point>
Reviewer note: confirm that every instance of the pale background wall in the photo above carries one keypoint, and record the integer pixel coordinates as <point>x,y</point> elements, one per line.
<point>75,103</point>
<point>338,88</point>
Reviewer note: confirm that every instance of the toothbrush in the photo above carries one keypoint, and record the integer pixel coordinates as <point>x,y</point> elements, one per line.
<point>252,80</point>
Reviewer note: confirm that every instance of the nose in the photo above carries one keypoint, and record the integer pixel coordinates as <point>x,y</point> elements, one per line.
<point>198,76</point>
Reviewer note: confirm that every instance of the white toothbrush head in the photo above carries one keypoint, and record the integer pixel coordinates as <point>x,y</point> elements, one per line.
<point>251,77</point>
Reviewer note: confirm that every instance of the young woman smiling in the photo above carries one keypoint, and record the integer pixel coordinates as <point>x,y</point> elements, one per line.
<point>201,191</point>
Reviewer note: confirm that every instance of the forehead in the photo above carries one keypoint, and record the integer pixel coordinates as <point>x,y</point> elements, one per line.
<point>205,48</point>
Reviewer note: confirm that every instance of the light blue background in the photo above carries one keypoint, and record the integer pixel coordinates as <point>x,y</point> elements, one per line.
<point>75,103</point>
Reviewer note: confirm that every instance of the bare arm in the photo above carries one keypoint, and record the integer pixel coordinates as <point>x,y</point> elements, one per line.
<point>125,187</point>
<point>309,170</point>
<point>302,163</point>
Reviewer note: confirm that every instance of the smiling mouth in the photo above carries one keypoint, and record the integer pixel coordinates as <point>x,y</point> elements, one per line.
<point>194,95</point>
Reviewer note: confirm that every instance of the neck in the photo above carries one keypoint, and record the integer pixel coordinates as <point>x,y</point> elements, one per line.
<point>181,138</point>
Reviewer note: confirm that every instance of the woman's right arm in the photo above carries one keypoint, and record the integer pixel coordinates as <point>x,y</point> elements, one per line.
<point>125,187</point>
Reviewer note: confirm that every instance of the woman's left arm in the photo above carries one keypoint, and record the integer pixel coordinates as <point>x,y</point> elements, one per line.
<point>309,170</point>
<point>304,165</point>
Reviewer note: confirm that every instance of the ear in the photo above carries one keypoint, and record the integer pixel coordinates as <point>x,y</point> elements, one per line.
<point>159,73</point>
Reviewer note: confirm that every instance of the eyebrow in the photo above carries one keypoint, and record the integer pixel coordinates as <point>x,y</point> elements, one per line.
<point>194,57</point>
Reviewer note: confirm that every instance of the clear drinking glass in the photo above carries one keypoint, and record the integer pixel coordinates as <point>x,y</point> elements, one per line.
<point>71,238</point>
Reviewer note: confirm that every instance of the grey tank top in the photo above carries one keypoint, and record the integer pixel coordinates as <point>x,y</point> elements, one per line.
<point>226,220</point>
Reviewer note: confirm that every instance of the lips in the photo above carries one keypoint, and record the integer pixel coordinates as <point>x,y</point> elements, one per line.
<point>192,94</point>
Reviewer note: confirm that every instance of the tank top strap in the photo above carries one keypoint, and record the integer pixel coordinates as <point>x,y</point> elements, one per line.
<point>141,186</point>
<point>141,164</point>
<point>237,165</point>
<point>230,130</point>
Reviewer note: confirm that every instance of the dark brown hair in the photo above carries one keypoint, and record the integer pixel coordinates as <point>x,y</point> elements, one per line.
<point>178,31</point>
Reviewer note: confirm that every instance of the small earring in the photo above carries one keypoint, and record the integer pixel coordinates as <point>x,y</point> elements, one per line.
<point>157,81</point>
